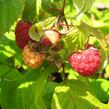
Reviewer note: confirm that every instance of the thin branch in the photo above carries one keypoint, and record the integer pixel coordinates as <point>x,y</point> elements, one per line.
<point>63,71</point>
<point>64,3</point>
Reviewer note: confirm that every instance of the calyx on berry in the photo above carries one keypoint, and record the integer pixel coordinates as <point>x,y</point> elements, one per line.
<point>87,62</point>
<point>21,33</point>
<point>50,38</point>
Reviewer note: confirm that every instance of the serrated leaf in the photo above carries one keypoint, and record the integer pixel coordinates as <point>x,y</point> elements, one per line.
<point>9,13</point>
<point>75,94</point>
<point>48,23</point>
<point>75,40</point>
<point>89,29</point>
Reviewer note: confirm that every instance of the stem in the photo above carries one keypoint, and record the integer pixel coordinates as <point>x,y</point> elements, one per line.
<point>63,69</point>
<point>54,9</point>
<point>66,22</point>
<point>64,3</point>
<point>62,15</point>
<point>59,10</point>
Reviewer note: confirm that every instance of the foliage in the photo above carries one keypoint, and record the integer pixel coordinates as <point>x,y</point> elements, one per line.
<point>25,88</point>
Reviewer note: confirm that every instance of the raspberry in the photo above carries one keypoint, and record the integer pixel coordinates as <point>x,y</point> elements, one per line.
<point>21,33</point>
<point>31,58</point>
<point>51,37</point>
<point>86,62</point>
<point>46,42</point>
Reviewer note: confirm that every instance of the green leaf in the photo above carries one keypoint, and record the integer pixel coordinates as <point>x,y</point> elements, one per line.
<point>32,10</point>
<point>9,51</point>
<point>75,40</point>
<point>18,95</point>
<point>86,4</point>
<point>29,13</point>
<point>47,93</point>
<point>101,89</point>
<point>26,98</point>
<point>48,23</point>
<point>40,83</point>
<point>8,94</point>
<point>9,84</point>
<point>12,74</point>
<point>3,69</point>
<point>10,11</point>
<point>75,95</point>
<point>70,2</point>
<point>89,29</point>
<point>33,100</point>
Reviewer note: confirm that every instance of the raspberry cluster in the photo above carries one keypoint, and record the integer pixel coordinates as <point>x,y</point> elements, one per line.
<point>86,62</point>
<point>33,57</point>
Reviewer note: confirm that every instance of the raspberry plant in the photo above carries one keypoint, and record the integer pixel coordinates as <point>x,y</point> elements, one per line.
<point>52,55</point>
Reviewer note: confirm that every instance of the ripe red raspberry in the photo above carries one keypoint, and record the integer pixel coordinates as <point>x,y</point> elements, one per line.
<point>21,33</point>
<point>51,37</point>
<point>86,62</point>
<point>31,58</point>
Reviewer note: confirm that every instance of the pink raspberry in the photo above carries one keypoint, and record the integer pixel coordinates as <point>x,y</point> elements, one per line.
<point>86,62</point>
<point>46,42</point>
<point>21,33</point>
<point>51,38</point>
